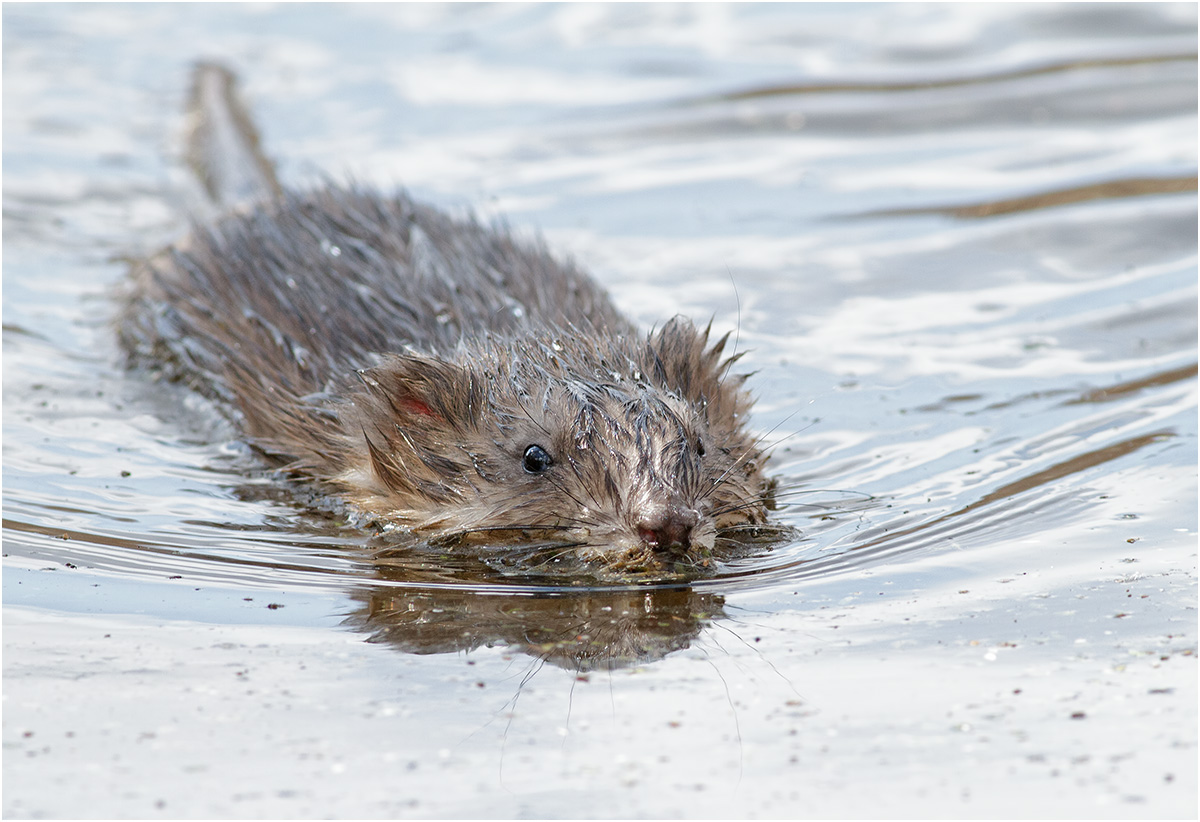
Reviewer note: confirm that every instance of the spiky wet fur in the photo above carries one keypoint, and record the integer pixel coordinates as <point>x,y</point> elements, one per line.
<point>405,360</point>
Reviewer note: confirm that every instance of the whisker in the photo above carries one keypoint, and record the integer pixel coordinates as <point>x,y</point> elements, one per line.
<point>795,492</point>
<point>566,492</point>
<point>524,531</point>
<point>754,449</point>
<point>763,533</point>
<point>737,336</point>
<point>788,496</point>
<point>483,529</point>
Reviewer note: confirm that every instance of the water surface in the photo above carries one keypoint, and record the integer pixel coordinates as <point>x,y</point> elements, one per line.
<point>958,246</point>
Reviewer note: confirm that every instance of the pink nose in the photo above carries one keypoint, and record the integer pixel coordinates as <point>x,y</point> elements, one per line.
<point>667,528</point>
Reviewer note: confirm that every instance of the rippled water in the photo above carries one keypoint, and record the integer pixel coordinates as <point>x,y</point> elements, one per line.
<point>958,244</point>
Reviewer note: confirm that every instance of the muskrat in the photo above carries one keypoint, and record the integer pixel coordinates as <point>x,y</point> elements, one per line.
<point>440,375</point>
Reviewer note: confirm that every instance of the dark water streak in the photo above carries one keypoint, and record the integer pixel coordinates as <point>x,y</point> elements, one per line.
<point>791,89</point>
<point>1109,190</point>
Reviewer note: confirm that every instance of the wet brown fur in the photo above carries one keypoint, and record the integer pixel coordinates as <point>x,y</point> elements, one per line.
<point>405,360</point>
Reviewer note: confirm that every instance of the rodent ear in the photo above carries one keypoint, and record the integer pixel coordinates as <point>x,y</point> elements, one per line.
<point>417,390</point>
<point>681,359</point>
<point>408,408</point>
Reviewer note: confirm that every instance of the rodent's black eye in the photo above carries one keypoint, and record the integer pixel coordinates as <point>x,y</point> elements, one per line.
<point>536,460</point>
<point>699,447</point>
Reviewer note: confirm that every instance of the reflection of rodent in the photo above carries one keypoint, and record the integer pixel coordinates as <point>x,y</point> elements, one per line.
<point>439,374</point>
<point>584,631</point>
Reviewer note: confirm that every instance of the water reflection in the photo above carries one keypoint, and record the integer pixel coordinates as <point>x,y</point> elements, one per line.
<point>1111,392</point>
<point>597,629</point>
<point>1111,189</point>
<point>1013,500</point>
<point>851,87</point>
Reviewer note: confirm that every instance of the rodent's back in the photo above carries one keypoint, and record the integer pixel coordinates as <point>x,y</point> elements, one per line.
<point>311,285</point>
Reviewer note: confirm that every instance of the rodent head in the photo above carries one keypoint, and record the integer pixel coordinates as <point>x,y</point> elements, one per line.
<point>630,450</point>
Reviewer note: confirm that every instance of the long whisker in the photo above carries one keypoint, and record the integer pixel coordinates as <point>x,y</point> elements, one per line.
<point>753,449</point>
<point>791,494</point>
<point>737,336</point>
<point>756,533</point>
<point>567,492</point>
<point>777,496</point>
<point>483,529</point>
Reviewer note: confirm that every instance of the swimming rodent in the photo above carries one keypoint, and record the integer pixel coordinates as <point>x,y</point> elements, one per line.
<point>438,374</point>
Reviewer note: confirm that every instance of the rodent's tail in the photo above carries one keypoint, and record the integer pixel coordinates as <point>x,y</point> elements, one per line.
<point>222,144</point>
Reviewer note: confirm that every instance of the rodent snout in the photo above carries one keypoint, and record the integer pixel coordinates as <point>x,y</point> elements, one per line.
<point>667,528</point>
